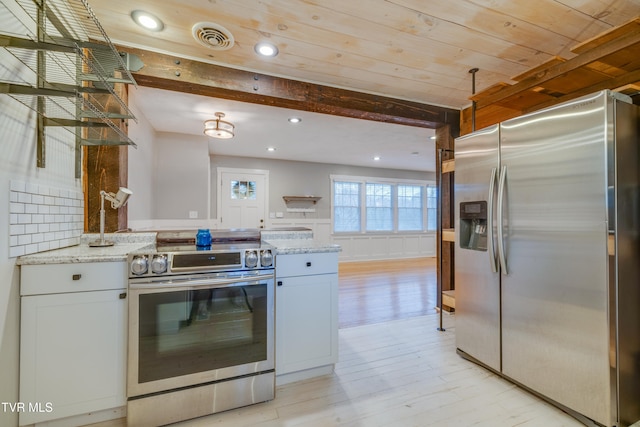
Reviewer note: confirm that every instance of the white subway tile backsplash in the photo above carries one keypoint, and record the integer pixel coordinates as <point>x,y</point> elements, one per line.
<point>16,230</point>
<point>18,186</point>
<point>17,208</point>
<point>31,188</point>
<point>16,251</point>
<point>42,218</point>
<point>24,198</point>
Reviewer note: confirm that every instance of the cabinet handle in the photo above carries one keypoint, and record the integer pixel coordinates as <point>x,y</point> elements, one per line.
<point>122,295</point>
<point>279,282</point>
<point>308,263</point>
<point>76,276</point>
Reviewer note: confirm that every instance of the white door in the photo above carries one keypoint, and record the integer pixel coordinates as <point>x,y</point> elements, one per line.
<point>242,196</point>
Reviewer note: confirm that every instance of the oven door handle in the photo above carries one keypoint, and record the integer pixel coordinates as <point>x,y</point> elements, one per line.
<point>200,283</point>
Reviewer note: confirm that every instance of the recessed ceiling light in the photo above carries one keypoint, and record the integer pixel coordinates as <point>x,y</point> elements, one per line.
<point>266,49</point>
<point>271,148</point>
<point>294,119</point>
<point>376,158</point>
<point>147,20</point>
<point>433,137</point>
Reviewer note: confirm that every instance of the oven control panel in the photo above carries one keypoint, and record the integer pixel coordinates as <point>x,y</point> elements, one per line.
<point>157,264</point>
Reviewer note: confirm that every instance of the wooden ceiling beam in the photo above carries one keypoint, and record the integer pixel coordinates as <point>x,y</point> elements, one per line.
<point>613,84</point>
<point>183,75</point>
<point>557,70</point>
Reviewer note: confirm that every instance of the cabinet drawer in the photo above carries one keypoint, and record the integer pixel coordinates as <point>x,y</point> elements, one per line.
<point>77,277</point>
<point>306,264</point>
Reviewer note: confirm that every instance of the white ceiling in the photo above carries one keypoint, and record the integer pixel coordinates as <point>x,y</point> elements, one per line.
<point>318,138</point>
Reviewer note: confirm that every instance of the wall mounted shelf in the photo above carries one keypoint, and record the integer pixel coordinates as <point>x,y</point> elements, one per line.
<point>313,199</point>
<point>69,72</point>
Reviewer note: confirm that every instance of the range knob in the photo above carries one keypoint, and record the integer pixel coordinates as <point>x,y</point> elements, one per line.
<point>159,264</point>
<point>251,259</point>
<point>266,258</point>
<point>139,265</point>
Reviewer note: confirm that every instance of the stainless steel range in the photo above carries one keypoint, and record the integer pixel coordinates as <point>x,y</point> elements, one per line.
<point>201,327</point>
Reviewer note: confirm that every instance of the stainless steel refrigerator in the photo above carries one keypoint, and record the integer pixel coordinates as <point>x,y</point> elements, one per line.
<point>547,254</point>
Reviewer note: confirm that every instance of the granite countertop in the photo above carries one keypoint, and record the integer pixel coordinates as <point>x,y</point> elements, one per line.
<point>124,244</point>
<point>296,241</point>
<point>302,246</point>
<point>286,234</point>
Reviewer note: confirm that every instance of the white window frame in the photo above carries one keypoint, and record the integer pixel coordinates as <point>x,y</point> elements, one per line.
<point>363,180</point>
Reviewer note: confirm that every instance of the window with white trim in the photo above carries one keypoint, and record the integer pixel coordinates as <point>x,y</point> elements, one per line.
<point>379,207</point>
<point>346,206</point>
<point>410,207</point>
<point>383,205</point>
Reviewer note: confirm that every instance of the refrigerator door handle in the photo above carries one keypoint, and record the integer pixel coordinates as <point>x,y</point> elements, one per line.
<point>500,205</point>
<point>490,243</point>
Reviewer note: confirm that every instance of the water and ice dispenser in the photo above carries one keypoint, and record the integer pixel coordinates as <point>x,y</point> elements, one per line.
<point>473,225</point>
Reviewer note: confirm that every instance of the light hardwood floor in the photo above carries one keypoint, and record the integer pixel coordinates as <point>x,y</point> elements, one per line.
<point>395,369</point>
<point>379,291</point>
<point>397,373</point>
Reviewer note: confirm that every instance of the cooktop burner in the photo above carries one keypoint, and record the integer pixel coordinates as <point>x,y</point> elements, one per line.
<point>176,253</point>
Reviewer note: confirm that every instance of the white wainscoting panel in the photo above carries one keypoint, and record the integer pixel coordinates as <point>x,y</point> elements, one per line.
<point>365,247</point>
<point>386,246</point>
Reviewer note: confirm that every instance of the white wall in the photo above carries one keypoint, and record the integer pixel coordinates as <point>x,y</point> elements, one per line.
<point>18,163</point>
<point>169,177</point>
<point>178,171</point>
<point>21,231</point>
<point>288,178</point>
<point>141,169</point>
<point>182,176</point>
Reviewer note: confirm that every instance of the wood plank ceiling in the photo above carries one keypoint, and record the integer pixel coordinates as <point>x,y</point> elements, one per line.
<point>608,61</point>
<point>414,50</point>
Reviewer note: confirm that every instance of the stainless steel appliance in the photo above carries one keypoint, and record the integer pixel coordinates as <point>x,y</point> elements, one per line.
<point>201,328</point>
<point>548,254</point>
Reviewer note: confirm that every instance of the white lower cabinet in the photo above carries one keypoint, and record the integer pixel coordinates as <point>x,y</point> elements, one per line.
<point>306,315</point>
<point>73,343</point>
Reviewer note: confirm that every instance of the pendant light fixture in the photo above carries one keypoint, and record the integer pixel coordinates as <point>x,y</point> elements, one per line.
<point>218,128</point>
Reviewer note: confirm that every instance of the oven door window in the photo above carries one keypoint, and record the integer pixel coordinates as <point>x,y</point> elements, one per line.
<point>191,331</point>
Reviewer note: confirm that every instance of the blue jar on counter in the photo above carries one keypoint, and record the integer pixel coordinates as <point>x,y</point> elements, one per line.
<point>203,238</point>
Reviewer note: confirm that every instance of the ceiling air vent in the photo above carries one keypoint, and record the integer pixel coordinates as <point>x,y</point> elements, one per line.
<point>212,35</point>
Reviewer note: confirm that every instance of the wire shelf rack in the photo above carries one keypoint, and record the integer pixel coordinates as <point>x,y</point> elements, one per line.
<point>60,53</point>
